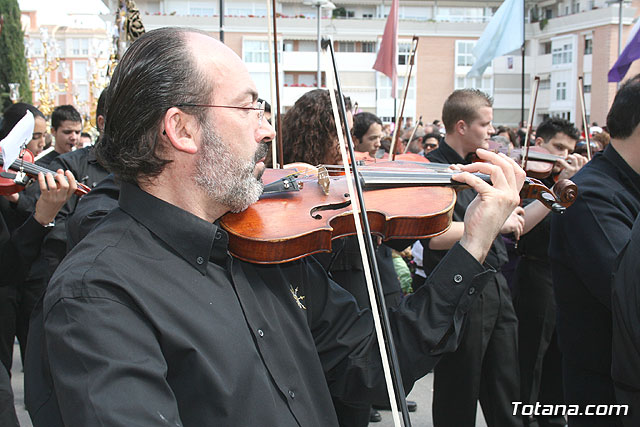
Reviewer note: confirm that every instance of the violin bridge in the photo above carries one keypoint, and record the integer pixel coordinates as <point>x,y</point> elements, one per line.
<point>323,179</point>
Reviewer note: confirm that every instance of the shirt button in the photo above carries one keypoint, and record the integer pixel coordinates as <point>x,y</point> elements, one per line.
<point>457,278</point>
<point>472,290</point>
<point>260,332</point>
<point>218,235</point>
<point>200,260</point>
<point>292,394</point>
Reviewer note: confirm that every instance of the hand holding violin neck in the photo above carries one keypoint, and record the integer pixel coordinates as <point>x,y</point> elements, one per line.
<point>487,213</point>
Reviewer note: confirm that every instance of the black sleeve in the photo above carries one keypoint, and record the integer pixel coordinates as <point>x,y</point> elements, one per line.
<point>426,325</point>
<point>91,209</point>
<point>19,249</point>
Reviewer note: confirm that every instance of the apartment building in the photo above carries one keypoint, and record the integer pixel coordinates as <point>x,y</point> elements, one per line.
<point>565,40</point>
<point>67,62</point>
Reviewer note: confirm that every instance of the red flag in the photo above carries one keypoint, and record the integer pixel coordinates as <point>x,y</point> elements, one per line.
<point>386,61</point>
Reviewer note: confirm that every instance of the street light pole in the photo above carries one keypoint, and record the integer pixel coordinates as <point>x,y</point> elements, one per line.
<point>319,4</point>
<point>319,75</point>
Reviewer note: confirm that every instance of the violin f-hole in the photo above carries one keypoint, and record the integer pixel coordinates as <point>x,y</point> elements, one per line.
<point>330,207</point>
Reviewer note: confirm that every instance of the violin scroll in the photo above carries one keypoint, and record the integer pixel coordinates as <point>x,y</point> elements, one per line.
<point>563,195</point>
<point>566,191</point>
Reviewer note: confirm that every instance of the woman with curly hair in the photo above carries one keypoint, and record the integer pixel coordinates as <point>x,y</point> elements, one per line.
<point>309,131</point>
<point>309,136</point>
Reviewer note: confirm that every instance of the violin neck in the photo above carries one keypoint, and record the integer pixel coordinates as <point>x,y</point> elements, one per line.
<point>389,179</point>
<point>32,170</point>
<point>543,157</point>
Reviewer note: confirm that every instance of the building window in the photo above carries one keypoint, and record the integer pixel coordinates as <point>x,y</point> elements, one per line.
<point>561,91</point>
<point>346,47</point>
<point>404,53</point>
<point>562,55</point>
<point>588,46</point>
<point>587,88</point>
<point>482,83</point>
<point>255,51</point>
<point>307,46</point>
<point>367,15</point>
<point>202,11</point>
<point>384,87</point>
<point>80,47</point>
<point>464,54</point>
<point>80,70</point>
<point>545,48</point>
<point>545,84</point>
<point>369,47</point>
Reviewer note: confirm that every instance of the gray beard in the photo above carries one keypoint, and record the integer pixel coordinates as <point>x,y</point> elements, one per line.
<point>226,178</point>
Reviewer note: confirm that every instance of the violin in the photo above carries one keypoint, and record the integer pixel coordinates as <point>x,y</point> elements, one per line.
<point>403,202</point>
<point>22,170</point>
<point>539,165</point>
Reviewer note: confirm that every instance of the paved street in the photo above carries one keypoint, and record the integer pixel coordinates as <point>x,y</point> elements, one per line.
<point>421,393</point>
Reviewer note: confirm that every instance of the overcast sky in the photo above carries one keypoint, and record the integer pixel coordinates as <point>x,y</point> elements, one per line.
<point>54,12</point>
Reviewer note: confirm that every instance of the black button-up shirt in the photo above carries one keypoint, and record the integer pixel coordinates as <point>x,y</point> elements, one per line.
<point>149,321</point>
<point>585,242</point>
<point>625,304</point>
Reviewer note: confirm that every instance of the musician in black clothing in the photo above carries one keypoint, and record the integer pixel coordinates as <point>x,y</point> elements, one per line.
<point>66,126</point>
<point>176,331</point>
<point>585,242</point>
<point>539,356</point>
<point>625,305</point>
<point>18,248</point>
<point>485,365</point>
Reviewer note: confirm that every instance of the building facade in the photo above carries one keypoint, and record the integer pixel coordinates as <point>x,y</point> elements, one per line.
<point>565,40</point>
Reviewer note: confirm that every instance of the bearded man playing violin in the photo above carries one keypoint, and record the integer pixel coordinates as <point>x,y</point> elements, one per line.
<point>150,321</point>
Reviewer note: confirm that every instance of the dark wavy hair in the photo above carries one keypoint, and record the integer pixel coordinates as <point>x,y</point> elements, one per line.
<point>362,122</point>
<point>624,115</point>
<point>157,72</point>
<point>14,113</point>
<point>64,113</point>
<point>308,129</point>
<point>554,125</point>
<point>463,104</point>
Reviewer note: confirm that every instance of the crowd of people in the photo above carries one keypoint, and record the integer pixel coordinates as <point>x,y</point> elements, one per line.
<point>130,310</point>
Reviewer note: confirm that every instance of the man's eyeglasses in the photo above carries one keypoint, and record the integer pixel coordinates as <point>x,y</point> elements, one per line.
<point>259,108</point>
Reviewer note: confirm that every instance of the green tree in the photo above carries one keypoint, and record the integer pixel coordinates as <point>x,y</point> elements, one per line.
<point>13,64</point>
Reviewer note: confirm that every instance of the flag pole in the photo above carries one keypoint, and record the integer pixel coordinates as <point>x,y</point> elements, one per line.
<point>524,39</point>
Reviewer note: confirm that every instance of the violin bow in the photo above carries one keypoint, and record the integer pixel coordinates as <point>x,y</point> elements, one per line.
<point>407,78</point>
<point>274,150</point>
<point>415,128</point>
<point>532,109</point>
<point>277,108</point>
<point>585,125</point>
<point>367,250</point>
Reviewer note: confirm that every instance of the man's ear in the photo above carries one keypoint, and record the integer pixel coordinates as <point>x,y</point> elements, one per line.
<point>180,129</point>
<point>461,127</point>
<point>100,123</point>
<point>538,141</point>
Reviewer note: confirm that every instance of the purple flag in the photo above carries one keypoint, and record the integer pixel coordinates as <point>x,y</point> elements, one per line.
<point>630,53</point>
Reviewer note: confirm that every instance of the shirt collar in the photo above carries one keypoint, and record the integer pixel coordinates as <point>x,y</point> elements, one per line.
<point>614,157</point>
<point>193,238</point>
<point>451,155</point>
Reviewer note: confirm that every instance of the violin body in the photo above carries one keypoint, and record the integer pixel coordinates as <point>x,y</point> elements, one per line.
<point>290,225</point>
<point>9,185</point>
